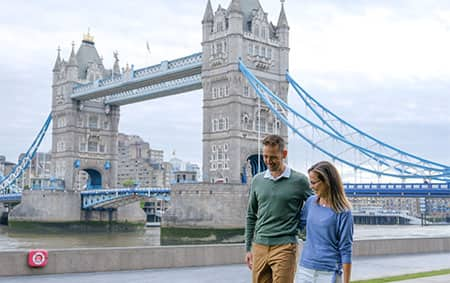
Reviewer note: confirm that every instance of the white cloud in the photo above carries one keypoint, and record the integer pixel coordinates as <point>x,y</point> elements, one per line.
<point>383,61</point>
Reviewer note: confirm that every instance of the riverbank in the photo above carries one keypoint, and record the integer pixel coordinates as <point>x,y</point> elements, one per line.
<point>137,258</point>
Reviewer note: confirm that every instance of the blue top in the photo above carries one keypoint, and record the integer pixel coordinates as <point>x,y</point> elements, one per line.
<point>329,237</point>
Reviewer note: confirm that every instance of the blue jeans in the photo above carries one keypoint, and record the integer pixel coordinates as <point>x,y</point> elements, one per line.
<point>306,275</point>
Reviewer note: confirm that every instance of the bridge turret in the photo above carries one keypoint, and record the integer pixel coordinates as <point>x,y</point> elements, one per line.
<point>282,33</point>
<point>57,66</point>
<point>283,27</point>
<point>84,132</point>
<point>90,63</point>
<point>235,30</point>
<point>230,110</point>
<point>235,7</point>
<point>72,66</point>
<point>208,20</point>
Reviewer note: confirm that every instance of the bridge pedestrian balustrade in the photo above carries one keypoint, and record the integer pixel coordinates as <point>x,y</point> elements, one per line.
<point>188,66</point>
<point>434,190</point>
<point>107,199</point>
<point>13,263</point>
<point>11,197</point>
<point>156,90</point>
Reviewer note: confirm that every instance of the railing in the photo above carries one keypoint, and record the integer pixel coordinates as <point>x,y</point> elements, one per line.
<point>155,88</point>
<point>174,65</point>
<point>16,197</point>
<point>97,199</point>
<point>398,186</point>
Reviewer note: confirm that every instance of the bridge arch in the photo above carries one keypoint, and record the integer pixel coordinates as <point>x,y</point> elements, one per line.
<point>94,180</point>
<point>252,160</point>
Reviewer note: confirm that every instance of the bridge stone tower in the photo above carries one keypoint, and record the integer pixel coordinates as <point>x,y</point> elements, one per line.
<point>84,133</point>
<point>231,112</point>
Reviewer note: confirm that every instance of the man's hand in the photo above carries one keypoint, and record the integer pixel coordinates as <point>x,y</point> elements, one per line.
<point>249,260</point>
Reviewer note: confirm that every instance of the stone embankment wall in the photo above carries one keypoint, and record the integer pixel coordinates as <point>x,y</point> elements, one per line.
<point>218,206</point>
<point>45,206</point>
<point>14,263</point>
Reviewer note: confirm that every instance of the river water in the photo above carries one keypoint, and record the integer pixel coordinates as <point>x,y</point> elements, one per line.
<point>150,236</point>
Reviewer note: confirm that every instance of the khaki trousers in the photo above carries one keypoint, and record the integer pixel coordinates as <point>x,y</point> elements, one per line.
<point>274,264</point>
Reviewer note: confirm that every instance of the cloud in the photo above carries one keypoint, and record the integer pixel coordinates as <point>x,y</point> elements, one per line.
<point>381,65</point>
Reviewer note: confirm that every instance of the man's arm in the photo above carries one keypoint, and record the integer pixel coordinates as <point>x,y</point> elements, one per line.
<point>252,210</point>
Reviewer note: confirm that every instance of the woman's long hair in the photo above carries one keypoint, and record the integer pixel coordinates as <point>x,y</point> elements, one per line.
<point>327,173</point>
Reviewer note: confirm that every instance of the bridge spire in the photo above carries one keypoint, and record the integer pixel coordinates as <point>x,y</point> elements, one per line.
<point>72,66</point>
<point>208,16</point>
<point>73,59</point>
<point>282,30</point>
<point>57,66</point>
<point>282,19</point>
<point>235,6</point>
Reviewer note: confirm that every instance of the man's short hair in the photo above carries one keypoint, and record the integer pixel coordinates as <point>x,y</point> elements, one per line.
<point>273,140</point>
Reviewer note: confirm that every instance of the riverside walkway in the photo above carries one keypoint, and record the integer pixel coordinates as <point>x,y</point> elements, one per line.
<point>363,268</point>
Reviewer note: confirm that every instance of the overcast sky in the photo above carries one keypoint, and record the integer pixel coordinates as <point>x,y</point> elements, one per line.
<point>382,65</point>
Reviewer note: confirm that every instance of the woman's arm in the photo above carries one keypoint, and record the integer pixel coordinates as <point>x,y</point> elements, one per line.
<point>345,232</point>
<point>347,268</point>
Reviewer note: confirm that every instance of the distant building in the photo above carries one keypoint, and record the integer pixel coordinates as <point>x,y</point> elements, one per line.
<point>156,156</point>
<point>37,175</point>
<point>183,172</point>
<point>433,207</point>
<point>5,166</point>
<point>141,164</point>
<point>185,177</point>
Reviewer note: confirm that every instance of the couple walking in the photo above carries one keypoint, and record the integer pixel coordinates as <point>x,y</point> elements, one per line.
<point>280,203</point>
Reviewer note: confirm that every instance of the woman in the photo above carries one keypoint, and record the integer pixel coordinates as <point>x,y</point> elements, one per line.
<point>327,252</point>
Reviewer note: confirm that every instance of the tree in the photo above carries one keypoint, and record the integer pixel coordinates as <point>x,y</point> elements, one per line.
<point>128,183</point>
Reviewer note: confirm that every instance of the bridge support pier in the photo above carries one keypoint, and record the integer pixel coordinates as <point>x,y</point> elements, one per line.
<point>217,206</point>
<point>3,214</point>
<point>63,208</point>
<point>47,206</point>
<point>130,213</point>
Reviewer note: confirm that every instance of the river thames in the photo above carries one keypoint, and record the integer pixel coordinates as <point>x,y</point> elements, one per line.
<point>150,236</point>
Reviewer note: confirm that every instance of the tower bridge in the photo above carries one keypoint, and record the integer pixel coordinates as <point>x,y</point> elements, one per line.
<point>242,71</point>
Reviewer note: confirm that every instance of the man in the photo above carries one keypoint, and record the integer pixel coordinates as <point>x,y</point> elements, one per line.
<point>276,198</point>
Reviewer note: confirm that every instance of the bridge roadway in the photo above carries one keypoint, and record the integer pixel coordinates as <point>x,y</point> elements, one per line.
<point>363,268</point>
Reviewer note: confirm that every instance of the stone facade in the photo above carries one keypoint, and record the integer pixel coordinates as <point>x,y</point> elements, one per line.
<point>231,115</point>
<point>84,133</point>
<point>219,206</point>
<point>47,206</point>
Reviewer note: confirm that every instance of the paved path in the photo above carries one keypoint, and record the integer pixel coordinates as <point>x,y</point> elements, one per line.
<point>363,268</point>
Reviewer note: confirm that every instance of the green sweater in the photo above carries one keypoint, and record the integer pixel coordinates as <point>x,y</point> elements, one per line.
<point>274,208</point>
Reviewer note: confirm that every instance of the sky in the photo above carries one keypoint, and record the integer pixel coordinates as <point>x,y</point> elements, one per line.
<point>382,65</point>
